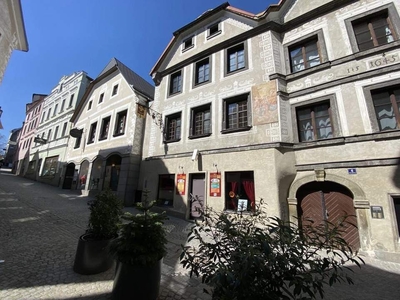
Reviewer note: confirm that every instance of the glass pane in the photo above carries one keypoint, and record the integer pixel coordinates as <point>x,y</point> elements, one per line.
<point>305,131</point>
<point>321,110</point>
<point>304,114</point>
<point>240,59</point>
<point>232,108</point>
<point>207,126</point>
<point>381,98</point>
<point>386,117</point>
<point>324,129</point>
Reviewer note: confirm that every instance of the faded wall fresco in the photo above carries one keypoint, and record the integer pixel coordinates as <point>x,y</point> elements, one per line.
<point>265,107</point>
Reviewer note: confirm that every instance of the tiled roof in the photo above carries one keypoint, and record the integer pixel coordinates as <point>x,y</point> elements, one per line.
<point>136,81</point>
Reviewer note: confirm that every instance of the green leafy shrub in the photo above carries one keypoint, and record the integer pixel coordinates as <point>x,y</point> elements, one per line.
<point>255,257</point>
<point>104,217</point>
<point>142,237</point>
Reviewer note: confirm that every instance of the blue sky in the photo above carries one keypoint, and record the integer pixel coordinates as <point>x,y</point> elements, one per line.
<point>66,36</point>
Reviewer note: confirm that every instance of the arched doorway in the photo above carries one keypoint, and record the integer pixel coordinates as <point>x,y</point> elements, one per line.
<point>69,176</point>
<point>113,168</point>
<point>95,174</point>
<point>328,201</point>
<point>83,173</point>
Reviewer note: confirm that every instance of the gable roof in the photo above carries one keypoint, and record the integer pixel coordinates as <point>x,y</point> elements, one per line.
<point>136,82</point>
<point>225,6</point>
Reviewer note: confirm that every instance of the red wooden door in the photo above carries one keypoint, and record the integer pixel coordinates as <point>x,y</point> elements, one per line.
<point>329,201</point>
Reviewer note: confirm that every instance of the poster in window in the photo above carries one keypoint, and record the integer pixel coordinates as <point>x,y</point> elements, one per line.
<point>180,184</point>
<point>215,184</point>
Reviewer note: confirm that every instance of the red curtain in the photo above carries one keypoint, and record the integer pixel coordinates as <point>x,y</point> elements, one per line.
<point>249,189</point>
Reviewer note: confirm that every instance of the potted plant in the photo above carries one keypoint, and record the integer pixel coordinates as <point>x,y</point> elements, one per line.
<point>92,254</point>
<point>252,256</point>
<point>139,249</point>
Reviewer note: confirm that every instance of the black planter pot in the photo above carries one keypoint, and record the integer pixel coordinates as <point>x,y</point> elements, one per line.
<point>137,282</point>
<point>92,256</point>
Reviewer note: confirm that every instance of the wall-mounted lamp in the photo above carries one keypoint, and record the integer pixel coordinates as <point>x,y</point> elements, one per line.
<point>215,166</point>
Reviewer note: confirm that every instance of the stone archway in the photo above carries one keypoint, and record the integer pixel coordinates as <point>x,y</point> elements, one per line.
<point>360,203</point>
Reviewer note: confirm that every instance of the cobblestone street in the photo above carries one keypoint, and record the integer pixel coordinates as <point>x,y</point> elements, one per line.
<point>39,230</point>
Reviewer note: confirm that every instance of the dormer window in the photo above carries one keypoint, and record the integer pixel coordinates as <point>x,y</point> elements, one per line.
<point>188,43</point>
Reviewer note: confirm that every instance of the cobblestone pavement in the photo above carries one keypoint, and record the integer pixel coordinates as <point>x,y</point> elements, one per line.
<point>39,230</point>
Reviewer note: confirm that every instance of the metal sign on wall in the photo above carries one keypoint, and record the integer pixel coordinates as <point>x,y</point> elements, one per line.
<point>181,184</point>
<point>215,184</point>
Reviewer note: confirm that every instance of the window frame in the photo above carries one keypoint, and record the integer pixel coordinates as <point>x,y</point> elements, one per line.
<point>230,204</point>
<point>101,98</point>
<point>392,15</point>
<point>92,133</point>
<point>103,136</point>
<point>50,163</point>
<point>370,102</point>
<point>168,120</point>
<point>188,47</point>
<point>115,90</point>
<point>64,129</point>
<point>90,104</point>
<point>71,100</point>
<point>334,116</point>
<point>192,129</point>
<point>321,46</point>
<point>195,71</point>
<point>225,113</point>
<point>217,32</point>
<point>227,52</point>
<point>170,83</point>
<point>117,121</point>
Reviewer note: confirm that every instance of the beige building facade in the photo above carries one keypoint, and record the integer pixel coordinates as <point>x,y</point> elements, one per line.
<point>297,105</point>
<point>12,32</point>
<point>105,147</point>
<point>49,146</point>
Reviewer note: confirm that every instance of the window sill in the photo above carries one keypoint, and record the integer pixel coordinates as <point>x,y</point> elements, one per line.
<point>188,48</point>
<point>214,34</point>
<point>229,73</point>
<point>308,71</point>
<point>171,141</point>
<point>174,94</point>
<point>232,130</point>
<point>118,134</point>
<point>193,137</point>
<point>201,83</point>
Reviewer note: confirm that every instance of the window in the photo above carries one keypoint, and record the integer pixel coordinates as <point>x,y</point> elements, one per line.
<point>239,191</point>
<point>105,125</point>
<point>200,121</point>
<point>92,133</point>
<point>43,115</point>
<point>49,135</point>
<point>202,71</point>
<point>386,103</point>
<point>56,132</point>
<point>237,113</point>
<point>175,84</point>
<point>71,100</point>
<point>304,55</point>
<point>55,110</point>
<point>101,98</point>
<point>188,43</point>
<point>115,90</point>
<point>50,166</point>
<point>166,189</point>
<point>90,105</point>
<point>172,128</point>
<point>120,123</point>
<point>78,142</point>
<point>64,130</point>
<point>373,31</point>
<point>213,30</point>
<point>62,105</point>
<point>48,114</point>
<point>396,204</point>
<point>314,122</point>
<point>236,58</point>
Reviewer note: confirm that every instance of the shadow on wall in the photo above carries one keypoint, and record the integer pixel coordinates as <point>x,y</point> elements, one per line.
<point>396,174</point>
